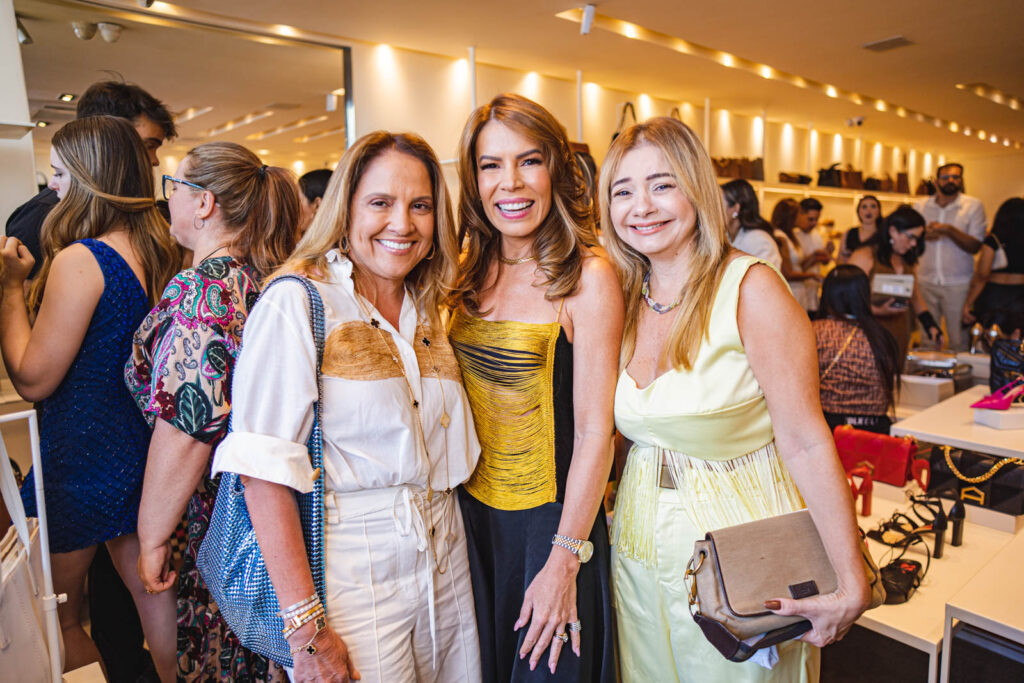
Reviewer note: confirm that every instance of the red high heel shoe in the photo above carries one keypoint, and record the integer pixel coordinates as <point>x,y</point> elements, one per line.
<point>1002,398</point>
<point>864,490</point>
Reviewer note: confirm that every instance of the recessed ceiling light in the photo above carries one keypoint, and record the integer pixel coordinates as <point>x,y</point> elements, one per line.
<point>66,97</point>
<point>42,124</point>
<point>286,127</point>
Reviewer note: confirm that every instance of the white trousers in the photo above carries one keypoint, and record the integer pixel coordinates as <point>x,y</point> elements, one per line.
<point>400,616</point>
<point>947,301</point>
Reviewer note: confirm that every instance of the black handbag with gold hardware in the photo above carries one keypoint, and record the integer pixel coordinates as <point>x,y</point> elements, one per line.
<point>978,479</point>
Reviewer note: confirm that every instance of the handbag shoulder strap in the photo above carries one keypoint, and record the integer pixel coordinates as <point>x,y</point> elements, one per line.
<point>842,349</point>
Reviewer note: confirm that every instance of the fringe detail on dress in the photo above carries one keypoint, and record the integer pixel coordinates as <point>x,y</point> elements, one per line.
<point>713,494</point>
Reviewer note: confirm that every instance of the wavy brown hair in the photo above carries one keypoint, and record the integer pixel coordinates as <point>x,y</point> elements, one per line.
<point>111,188</point>
<point>260,203</point>
<point>564,233</point>
<point>692,168</point>
<point>431,280</point>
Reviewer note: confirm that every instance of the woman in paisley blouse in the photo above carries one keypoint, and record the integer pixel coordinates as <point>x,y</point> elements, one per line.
<point>239,218</point>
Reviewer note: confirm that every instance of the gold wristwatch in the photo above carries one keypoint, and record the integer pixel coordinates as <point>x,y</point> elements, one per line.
<point>583,550</point>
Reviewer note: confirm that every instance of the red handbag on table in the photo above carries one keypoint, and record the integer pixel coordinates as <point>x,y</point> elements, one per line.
<point>891,458</point>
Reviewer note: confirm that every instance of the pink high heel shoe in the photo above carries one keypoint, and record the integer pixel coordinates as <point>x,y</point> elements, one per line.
<point>1003,397</point>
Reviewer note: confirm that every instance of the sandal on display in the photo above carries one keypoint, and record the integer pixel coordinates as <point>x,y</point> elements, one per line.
<point>1002,399</point>
<point>929,510</point>
<point>901,577</point>
<point>898,531</point>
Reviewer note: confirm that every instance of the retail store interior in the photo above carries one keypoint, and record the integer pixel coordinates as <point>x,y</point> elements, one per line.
<point>885,93</point>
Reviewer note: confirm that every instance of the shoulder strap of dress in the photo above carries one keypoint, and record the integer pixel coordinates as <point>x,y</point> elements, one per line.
<point>561,304</point>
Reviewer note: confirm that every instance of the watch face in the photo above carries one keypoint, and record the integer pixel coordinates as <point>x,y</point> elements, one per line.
<point>586,551</point>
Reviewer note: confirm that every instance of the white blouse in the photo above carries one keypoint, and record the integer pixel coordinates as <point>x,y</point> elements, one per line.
<point>369,422</point>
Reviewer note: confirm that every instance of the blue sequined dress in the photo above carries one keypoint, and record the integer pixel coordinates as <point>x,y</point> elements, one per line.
<point>92,437</point>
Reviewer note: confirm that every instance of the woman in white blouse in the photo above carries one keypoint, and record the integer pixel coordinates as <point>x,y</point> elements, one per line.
<point>398,435</point>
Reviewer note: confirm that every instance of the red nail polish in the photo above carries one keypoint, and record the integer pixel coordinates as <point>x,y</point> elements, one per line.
<point>772,604</point>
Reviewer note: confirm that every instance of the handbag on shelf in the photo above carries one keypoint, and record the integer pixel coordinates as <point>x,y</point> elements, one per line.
<point>873,184</point>
<point>230,559</point>
<point>851,179</point>
<point>891,458</point>
<point>627,109</point>
<point>31,647</point>
<point>925,187</point>
<point>1006,363</point>
<point>978,479</point>
<point>831,176</point>
<point>734,570</point>
<point>902,182</point>
<point>797,178</point>
<point>757,169</point>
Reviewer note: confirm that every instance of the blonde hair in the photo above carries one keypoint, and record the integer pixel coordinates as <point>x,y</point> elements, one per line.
<point>564,233</point>
<point>431,280</point>
<point>260,203</point>
<point>691,165</point>
<point>111,185</point>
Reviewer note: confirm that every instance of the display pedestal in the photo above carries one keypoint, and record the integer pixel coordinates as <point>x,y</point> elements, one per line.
<point>1002,419</point>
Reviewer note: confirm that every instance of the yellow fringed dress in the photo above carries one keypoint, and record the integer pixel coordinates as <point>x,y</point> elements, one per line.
<point>709,427</point>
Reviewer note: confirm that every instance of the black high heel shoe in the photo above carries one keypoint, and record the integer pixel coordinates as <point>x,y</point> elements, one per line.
<point>957,515</point>
<point>939,527</point>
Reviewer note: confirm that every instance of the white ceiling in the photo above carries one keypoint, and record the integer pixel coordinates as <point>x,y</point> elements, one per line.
<point>955,42</point>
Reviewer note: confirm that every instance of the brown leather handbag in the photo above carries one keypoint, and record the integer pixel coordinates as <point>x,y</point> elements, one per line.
<point>734,570</point>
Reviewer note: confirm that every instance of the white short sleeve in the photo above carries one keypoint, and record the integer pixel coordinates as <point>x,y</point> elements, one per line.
<point>273,393</point>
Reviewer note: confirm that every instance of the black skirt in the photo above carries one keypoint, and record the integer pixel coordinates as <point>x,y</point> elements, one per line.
<point>507,549</point>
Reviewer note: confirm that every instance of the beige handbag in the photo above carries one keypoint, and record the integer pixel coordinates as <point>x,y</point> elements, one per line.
<point>734,570</point>
<point>30,642</point>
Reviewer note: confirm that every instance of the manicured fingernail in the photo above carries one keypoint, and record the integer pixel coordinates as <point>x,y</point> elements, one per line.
<point>772,604</point>
<point>517,626</point>
<point>552,667</point>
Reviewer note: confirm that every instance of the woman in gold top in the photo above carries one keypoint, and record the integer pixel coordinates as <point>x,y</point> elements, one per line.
<point>532,297</point>
<point>719,394</point>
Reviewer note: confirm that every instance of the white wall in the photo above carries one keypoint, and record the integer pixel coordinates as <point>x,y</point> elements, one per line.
<point>17,170</point>
<point>994,179</point>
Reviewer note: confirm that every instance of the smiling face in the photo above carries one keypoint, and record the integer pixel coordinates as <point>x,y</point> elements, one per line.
<point>513,181</point>
<point>649,210</point>
<point>61,179</point>
<point>391,219</point>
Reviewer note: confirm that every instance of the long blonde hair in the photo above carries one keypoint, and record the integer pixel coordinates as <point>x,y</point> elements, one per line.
<point>691,165</point>
<point>431,280</point>
<point>111,186</point>
<point>565,232</point>
<point>259,203</point>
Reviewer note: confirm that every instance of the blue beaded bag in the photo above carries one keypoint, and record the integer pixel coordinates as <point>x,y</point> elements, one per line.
<point>230,559</point>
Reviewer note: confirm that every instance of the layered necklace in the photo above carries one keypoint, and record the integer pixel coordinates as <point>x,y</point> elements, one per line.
<point>654,305</point>
<point>444,421</point>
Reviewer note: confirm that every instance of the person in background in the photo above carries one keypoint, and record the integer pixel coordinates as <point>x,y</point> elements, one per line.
<point>398,437</point>
<point>869,213</point>
<point>812,247</point>
<point>859,361</point>
<point>897,252</point>
<point>783,223</point>
<point>147,114</point>
<point>107,255</point>
<point>312,185</point>
<point>238,218</point>
<point>718,391</point>
<point>746,229</point>
<point>955,226</point>
<point>536,322</point>
<point>996,295</point>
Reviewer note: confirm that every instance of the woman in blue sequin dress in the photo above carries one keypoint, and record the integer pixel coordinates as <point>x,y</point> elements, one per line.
<point>107,256</point>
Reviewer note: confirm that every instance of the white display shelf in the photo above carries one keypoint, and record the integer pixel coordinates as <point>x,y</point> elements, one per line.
<point>993,600</point>
<point>14,131</point>
<point>920,621</point>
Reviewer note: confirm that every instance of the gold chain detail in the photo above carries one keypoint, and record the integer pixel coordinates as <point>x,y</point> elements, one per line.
<point>983,477</point>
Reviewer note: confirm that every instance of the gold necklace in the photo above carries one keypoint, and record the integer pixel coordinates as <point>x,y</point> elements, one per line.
<point>444,422</point>
<point>515,261</point>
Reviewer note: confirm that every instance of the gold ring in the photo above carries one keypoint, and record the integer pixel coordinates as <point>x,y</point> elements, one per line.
<point>564,637</point>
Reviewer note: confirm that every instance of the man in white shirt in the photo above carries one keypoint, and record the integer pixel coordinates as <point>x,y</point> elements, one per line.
<point>813,247</point>
<point>954,228</point>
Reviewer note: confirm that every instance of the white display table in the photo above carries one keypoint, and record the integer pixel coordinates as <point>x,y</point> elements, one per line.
<point>993,600</point>
<point>919,622</point>
<point>952,423</point>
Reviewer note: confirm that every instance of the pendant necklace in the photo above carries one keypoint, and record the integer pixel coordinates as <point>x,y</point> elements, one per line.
<point>444,421</point>
<point>654,305</point>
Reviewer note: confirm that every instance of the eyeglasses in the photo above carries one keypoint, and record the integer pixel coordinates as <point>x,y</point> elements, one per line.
<point>170,183</point>
<point>950,176</point>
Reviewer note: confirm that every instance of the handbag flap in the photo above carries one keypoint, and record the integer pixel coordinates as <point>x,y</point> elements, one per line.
<point>776,557</point>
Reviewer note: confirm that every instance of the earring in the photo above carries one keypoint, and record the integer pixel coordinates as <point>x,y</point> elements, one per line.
<point>198,223</point>
<point>344,244</point>
<point>736,214</point>
<point>431,253</point>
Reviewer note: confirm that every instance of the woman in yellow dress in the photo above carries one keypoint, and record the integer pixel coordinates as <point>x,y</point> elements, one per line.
<point>718,391</point>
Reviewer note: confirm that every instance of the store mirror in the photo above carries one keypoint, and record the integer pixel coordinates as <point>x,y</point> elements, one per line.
<point>287,101</point>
